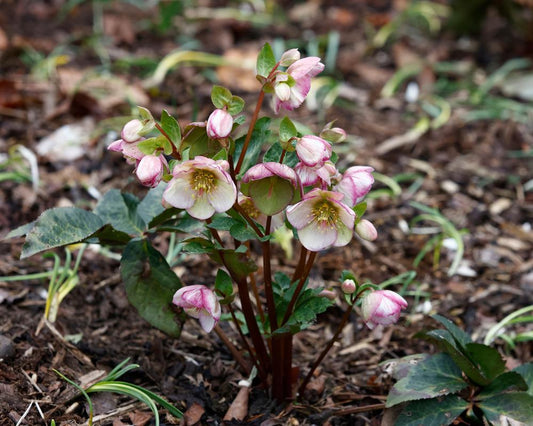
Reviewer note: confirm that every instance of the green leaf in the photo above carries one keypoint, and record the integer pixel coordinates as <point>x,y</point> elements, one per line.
<point>223,283</point>
<point>526,371</point>
<point>196,141</point>
<point>120,210</point>
<point>198,245</point>
<point>241,232</point>
<point>236,105</point>
<point>58,227</point>
<point>223,222</point>
<point>220,96</point>
<point>287,129</point>
<point>446,343</point>
<point>487,359</point>
<point>20,231</point>
<point>459,335</point>
<point>271,195</point>
<point>432,412</point>
<point>151,207</point>
<point>239,264</point>
<point>360,209</point>
<point>516,405</point>
<point>260,136</point>
<point>151,145</point>
<point>510,381</point>
<point>150,285</point>
<point>435,376</point>
<point>171,127</point>
<point>274,154</point>
<point>265,61</point>
<point>400,367</point>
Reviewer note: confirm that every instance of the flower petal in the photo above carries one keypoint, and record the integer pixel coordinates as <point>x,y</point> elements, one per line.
<point>179,193</point>
<point>201,209</point>
<point>301,214</point>
<point>316,238</point>
<point>206,321</point>
<point>223,196</point>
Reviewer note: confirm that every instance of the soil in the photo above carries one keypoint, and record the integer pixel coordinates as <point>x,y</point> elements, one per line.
<point>470,170</point>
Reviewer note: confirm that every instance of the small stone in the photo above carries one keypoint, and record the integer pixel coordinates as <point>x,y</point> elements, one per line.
<point>7,348</point>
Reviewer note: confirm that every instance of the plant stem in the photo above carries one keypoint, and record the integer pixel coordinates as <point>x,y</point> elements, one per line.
<point>234,352</point>
<point>175,152</point>
<point>301,283</point>
<point>243,337</point>
<point>250,131</point>
<point>317,362</point>
<point>248,219</point>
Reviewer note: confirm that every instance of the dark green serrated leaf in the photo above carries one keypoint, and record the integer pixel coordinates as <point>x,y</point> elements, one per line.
<point>58,227</point>
<point>236,105</point>
<point>109,236</point>
<point>171,127</point>
<point>446,343</point>
<point>220,96</point>
<point>274,154</point>
<point>223,283</point>
<point>526,371</point>
<point>432,412</point>
<point>516,405</point>
<point>198,245</point>
<point>487,359</point>
<point>287,129</point>
<point>435,376</point>
<point>399,368</point>
<point>265,61</point>
<point>239,264</point>
<point>241,232</point>
<point>223,223</point>
<point>120,210</point>
<point>506,382</point>
<point>459,335</point>
<point>150,285</point>
<point>151,205</point>
<point>260,136</point>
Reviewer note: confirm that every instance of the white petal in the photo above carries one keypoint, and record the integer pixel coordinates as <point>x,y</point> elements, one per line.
<point>301,214</point>
<point>179,193</point>
<point>316,238</point>
<point>223,196</point>
<point>201,209</point>
<point>344,235</point>
<point>206,321</point>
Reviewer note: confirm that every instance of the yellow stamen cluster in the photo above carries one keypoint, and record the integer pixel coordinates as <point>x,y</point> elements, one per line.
<point>249,207</point>
<point>325,213</point>
<point>203,181</point>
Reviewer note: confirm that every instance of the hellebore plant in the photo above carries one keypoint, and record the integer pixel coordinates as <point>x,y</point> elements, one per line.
<point>219,194</point>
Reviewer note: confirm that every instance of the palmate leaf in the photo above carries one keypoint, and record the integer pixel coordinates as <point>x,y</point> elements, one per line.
<point>432,412</point>
<point>150,285</point>
<point>120,210</point>
<point>435,376</point>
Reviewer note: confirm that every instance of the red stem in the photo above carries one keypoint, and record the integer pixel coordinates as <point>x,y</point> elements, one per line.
<point>250,131</point>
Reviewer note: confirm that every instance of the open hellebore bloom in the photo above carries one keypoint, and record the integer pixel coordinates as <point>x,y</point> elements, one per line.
<point>382,307</point>
<point>201,186</point>
<point>294,84</point>
<point>271,186</point>
<point>219,124</point>
<point>322,220</point>
<point>199,302</point>
<point>150,170</point>
<point>355,183</point>
<point>313,151</point>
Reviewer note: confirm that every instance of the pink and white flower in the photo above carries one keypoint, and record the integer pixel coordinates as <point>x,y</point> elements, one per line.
<point>355,184</point>
<point>314,175</point>
<point>199,302</point>
<point>269,169</point>
<point>322,220</point>
<point>150,170</point>
<point>295,83</point>
<point>219,124</point>
<point>313,151</point>
<point>201,186</point>
<point>382,307</point>
<point>348,286</point>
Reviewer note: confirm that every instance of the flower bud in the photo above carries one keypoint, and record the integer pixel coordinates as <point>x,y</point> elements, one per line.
<point>150,170</point>
<point>130,131</point>
<point>199,302</point>
<point>348,286</point>
<point>289,57</point>
<point>334,135</point>
<point>219,124</point>
<point>366,230</point>
<point>283,91</point>
<point>313,151</point>
<point>382,307</point>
